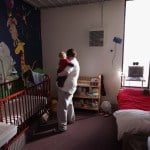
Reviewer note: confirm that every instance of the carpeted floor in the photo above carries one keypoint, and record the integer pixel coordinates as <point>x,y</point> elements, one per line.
<point>90,132</point>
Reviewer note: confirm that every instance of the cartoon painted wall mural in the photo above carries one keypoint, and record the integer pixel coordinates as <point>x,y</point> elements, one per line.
<point>11,24</point>
<point>20,37</point>
<point>7,69</point>
<point>19,46</point>
<point>20,50</point>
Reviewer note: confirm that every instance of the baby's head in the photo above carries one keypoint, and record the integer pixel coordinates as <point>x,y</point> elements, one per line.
<point>62,55</point>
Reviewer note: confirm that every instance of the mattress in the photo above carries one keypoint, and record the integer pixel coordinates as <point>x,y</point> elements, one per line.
<point>7,131</point>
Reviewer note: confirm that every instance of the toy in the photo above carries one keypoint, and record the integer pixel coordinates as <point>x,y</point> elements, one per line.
<point>106,108</point>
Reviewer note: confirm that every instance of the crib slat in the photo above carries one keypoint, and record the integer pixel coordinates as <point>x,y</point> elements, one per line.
<point>19,107</point>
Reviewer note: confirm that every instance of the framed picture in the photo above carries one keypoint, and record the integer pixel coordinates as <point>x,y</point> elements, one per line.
<point>96,38</point>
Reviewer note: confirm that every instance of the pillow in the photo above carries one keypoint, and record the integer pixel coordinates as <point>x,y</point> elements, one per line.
<point>132,121</point>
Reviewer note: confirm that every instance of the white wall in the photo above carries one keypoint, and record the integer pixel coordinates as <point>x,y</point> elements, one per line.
<point>69,27</point>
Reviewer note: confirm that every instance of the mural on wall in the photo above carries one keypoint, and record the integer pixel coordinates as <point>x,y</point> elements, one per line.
<point>7,64</point>
<point>11,24</point>
<point>20,39</point>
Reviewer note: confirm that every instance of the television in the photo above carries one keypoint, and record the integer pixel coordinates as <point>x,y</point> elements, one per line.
<point>135,71</point>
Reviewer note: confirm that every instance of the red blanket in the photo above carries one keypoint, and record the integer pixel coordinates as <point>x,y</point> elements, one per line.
<point>133,98</point>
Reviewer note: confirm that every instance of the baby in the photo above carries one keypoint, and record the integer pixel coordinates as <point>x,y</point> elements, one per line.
<point>63,63</point>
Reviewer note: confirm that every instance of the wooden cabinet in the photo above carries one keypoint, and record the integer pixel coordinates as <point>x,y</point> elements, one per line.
<point>88,93</point>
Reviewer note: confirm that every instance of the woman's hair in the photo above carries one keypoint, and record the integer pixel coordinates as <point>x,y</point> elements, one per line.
<point>71,53</point>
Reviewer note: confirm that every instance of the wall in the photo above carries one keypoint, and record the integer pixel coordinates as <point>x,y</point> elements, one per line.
<point>19,32</point>
<point>69,27</point>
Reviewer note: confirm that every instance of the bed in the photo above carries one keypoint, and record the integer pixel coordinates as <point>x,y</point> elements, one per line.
<point>133,98</point>
<point>20,106</point>
<point>133,117</point>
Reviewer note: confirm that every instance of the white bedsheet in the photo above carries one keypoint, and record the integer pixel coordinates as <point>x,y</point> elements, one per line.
<point>7,131</point>
<point>132,121</point>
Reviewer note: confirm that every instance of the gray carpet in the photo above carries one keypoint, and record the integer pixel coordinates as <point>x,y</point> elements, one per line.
<point>90,131</point>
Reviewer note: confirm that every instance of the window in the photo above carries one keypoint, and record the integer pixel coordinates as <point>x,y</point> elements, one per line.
<point>136,40</point>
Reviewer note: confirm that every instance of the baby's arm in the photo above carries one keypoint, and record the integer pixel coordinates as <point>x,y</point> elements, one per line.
<point>67,70</point>
<point>70,64</point>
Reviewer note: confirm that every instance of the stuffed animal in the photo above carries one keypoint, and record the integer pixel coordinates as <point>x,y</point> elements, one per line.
<point>106,108</point>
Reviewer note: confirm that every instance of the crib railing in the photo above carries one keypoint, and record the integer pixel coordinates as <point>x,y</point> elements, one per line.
<point>11,87</point>
<point>21,107</point>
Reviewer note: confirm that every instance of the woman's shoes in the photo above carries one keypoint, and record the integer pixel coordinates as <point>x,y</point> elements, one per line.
<point>58,131</point>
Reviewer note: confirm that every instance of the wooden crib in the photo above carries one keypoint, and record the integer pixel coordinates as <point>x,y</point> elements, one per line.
<point>21,106</point>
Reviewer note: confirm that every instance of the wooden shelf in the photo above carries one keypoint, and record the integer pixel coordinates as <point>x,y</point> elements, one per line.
<point>87,85</point>
<point>88,93</point>
<point>88,97</point>
<point>87,108</point>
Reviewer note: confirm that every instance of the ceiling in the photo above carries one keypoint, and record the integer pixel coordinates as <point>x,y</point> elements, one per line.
<point>60,3</point>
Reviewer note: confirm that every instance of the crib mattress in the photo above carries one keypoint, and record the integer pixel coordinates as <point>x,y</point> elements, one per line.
<point>7,131</point>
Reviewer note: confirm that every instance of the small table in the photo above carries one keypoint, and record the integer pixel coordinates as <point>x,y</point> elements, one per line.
<point>7,131</point>
<point>140,79</point>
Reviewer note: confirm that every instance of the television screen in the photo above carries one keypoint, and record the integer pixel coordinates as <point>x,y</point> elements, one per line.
<point>135,71</point>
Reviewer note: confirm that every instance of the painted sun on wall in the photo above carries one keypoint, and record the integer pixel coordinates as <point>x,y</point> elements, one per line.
<point>20,39</point>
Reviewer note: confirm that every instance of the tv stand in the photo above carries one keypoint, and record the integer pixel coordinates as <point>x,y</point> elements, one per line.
<point>140,79</point>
